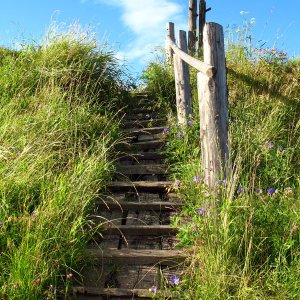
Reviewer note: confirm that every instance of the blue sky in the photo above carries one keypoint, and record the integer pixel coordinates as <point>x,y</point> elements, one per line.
<point>134,27</point>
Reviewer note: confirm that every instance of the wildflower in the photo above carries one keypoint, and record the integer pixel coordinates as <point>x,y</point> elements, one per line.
<point>289,190</point>
<point>174,279</point>
<point>271,191</point>
<point>37,281</point>
<point>280,149</point>
<point>179,134</point>
<point>197,179</point>
<point>147,116</point>
<point>190,122</point>
<point>69,276</point>
<point>169,115</point>
<point>240,189</point>
<point>258,190</point>
<point>223,182</point>
<point>34,213</point>
<point>201,211</point>
<point>270,145</point>
<point>176,183</point>
<point>166,130</point>
<point>153,290</point>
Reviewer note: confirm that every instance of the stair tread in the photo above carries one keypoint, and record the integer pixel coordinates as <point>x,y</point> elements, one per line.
<point>149,186</point>
<point>141,230</point>
<point>117,292</point>
<point>142,169</point>
<point>126,205</point>
<point>142,156</point>
<point>138,257</point>
<point>138,131</point>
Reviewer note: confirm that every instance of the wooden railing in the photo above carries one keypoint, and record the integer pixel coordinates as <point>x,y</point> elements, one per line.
<point>212,96</point>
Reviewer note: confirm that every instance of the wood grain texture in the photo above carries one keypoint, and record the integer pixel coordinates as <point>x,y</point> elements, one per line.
<point>213,108</point>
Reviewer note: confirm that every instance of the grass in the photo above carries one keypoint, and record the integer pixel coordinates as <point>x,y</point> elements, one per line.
<point>250,249</point>
<point>57,134</point>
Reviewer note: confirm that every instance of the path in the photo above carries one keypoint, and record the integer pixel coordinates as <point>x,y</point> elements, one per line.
<point>137,247</point>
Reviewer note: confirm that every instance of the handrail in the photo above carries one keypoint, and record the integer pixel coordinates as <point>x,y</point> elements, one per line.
<point>204,68</point>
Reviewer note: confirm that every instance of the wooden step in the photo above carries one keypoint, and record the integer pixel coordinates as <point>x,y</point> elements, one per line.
<point>142,156</point>
<point>142,169</point>
<point>141,230</point>
<point>140,116</point>
<point>142,131</point>
<point>144,123</point>
<point>155,144</point>
<point>126,205</point>
<point>112,292</point>
<point>138,257</point>
<point>140,186</point>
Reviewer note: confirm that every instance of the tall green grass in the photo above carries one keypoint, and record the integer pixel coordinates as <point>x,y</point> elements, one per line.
<point>57,135</point>
<point>251,248</point>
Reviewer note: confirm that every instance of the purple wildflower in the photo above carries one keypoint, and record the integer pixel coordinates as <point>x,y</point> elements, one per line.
<point>196,179</point>
<point>280,149</point>
<point>223,182</point>
<point>176,183</point>
<point>34,213</point>
<point>174,279</point>
<point>179,134</point>
<point>190,122</point>
<point>169,115</point>
<point>271,191</point>
<point>201,211</point>
<point>166,130</point>
<point>153,290</point>
<point>240,189</point>
<point>69,276</point>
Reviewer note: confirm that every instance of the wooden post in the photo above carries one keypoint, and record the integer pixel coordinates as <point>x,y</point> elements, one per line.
<point>202,20</point>
<point>171,33</point>
<point>192,27</point>
<point>182,83</point>
<point>213,108</point>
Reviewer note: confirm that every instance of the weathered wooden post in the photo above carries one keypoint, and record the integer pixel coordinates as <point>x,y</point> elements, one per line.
<point>182,83</point>
<point>202,20</point>
<point>213,108</point>
<point>170,33</point>
<point>192,26</point>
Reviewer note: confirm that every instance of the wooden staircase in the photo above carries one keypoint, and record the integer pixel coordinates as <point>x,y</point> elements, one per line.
<point>136,250</point>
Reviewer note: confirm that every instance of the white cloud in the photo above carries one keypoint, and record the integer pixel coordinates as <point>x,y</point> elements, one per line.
<point>147,20</point>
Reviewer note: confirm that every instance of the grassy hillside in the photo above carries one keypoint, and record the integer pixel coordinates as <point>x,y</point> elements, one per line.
<point>251,250</point>
<point>57,132</point>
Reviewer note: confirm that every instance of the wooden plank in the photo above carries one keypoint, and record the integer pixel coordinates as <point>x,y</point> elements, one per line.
<point>126,205</point>
<point>112,292</point>
<point>143,131</point>
<point>170,35</point>
<point>213,108</point>
<point>142,169</point>
<point>202,20</point>
<point>144,123</point>
<point>138,257</point>
<point>192,26</point>
<point>140,116</point>
<point>142,230</point>
<point>204,68</point>
<point>155,144</point>
<point>143,186</point>
<point>142,156</point>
